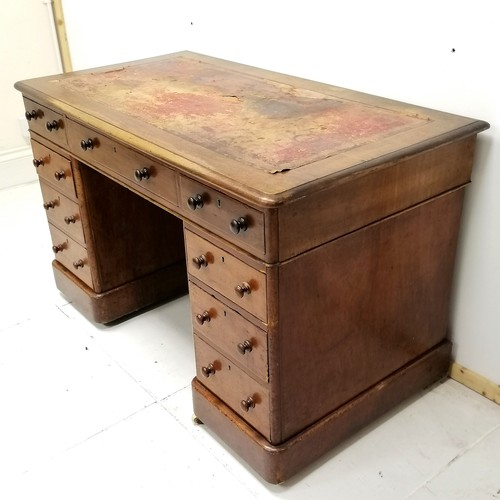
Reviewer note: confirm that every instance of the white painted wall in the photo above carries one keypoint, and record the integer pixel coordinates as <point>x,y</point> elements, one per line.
<point>27,49</point>
<point>441,55</point>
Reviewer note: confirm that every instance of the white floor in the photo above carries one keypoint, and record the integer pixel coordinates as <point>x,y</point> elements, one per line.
<point>94,412</point>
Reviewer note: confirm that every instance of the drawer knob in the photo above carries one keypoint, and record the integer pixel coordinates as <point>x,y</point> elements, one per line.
<point>243,289</point>
<point>37,162</point>
<point>52,125</point>
<point>245,347</point>
<point>58,248</point>
<point>31,115</point>
<point>203,318</point>
<point>195,202</point>
<point>70,219</point>
<point>200,262</point>
<point>247,403</point>
<point>237,225</point>
<point>60,175</point>
<point>208,370</point>
<point>78,263</point>
<point>141,174</point>
<point>50,204</point>
<point>87,144</point>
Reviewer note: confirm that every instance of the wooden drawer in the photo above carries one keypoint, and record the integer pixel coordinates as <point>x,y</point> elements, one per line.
<point>46,122</point>
<point>53,168</point>
<point>216,211</point>
<point>229,332</point>
<point>62,212</point>
<point>231,277</point>
<point>134,169</point>
<point>71,255</point>
<point>239,391</point>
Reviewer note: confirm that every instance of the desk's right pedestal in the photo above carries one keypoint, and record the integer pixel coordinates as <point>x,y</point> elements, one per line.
<point>361,324</point>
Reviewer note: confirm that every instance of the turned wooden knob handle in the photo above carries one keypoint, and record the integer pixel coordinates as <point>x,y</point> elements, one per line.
<point>78,263</point>
<point>203,318</point>
<point>243,289</point>
<point>238,224</point>
<point>50,204</point>
<point>37,162</point>
<point>31,115</point>
<point>247,403</point>
<point>60,175</point>
<point>245,346</point>
<point>208,370</point>
<point>195,201</point>
<point>58,248</point>
<point>87,144</point>
<point>70,219</point>
<point>200,261</point>
<point>141,174</point>
<point>52,125</point>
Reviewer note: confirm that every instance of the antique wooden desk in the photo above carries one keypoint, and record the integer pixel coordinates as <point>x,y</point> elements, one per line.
<point>318,225</point>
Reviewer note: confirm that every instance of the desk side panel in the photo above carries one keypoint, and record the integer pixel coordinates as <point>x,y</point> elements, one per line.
<point>357,309</point>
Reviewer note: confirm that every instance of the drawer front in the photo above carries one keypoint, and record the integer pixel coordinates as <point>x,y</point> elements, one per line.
<point>229,332</point>
<point>239,391</point>
<point>233,220</point>
<point>46,122</point>
<point>134,169</point>
<point>53,168</point>
<point>62,212</point>
<point>71,255</point>
<point>236,280</point>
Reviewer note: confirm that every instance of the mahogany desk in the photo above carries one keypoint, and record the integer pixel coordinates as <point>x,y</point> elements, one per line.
<point>318,225</point>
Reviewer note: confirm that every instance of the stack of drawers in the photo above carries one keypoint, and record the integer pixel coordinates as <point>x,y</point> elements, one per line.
<point>229,301</point>
<point>58,189</point>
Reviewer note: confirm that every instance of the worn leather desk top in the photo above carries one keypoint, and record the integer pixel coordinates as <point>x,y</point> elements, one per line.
<point>249,131</point>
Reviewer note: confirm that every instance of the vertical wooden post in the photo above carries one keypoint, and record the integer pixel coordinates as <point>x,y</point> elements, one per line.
<point>62,38</point>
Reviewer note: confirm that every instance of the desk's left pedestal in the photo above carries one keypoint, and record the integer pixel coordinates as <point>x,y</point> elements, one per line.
<point>115,252</point>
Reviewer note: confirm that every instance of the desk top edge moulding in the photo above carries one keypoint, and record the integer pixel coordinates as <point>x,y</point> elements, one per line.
<point>269,134</point>
<point>314,228</point>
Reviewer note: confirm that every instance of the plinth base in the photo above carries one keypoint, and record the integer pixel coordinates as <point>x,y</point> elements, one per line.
<point>277,463</point>
<point>111,305</point>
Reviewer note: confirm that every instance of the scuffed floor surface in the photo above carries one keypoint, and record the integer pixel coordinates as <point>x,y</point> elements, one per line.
<point>94,412</point>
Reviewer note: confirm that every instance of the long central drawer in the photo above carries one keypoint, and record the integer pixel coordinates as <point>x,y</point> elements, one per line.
<point>138,171</point>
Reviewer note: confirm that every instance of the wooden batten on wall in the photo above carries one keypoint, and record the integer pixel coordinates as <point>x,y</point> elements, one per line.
<point>476,382</point>
<point>62,37</point>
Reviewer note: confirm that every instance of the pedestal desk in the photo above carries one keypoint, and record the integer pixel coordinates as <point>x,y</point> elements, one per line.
<point>315,228</point>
